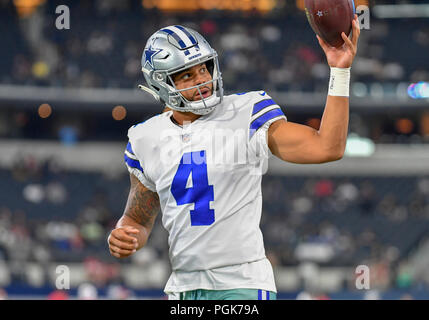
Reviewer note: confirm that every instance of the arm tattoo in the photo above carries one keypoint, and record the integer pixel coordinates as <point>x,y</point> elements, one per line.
<point>142,205</point>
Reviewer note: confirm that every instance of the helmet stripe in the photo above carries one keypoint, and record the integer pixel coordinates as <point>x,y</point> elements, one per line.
<point>188,34</point>
<point>177,38</point>
<point>187,39</point>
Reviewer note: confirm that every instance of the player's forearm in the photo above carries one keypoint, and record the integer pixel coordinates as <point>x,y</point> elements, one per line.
<point>334,126</point>
<point>335,121</point>
<point>140,211</point>
<point>143,234</point>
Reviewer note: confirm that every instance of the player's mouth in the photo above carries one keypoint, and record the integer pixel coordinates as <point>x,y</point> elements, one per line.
<point>205,93</point>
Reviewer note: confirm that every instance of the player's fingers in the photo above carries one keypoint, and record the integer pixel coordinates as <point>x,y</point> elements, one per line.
<point>122,245</point>
<point>322,43</point>
<point>121,252</point>
<point>123,236</point>
<point>348,42</point>
<point>356,31</point>
<point>117,255</point>
<point>346,39</point>
<point>132,230</point>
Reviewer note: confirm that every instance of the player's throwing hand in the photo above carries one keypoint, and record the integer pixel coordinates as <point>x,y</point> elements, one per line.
<point>343,56</point>
<point>122,243</point>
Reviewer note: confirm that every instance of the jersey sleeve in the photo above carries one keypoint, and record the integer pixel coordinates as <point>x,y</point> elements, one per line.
<point>134,167</point>
<point>264,111</point>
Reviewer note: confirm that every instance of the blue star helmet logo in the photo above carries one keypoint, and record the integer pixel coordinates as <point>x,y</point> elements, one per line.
<point>148,55</point>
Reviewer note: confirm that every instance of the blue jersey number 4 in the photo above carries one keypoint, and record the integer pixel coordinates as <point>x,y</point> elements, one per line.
<point>200,193</point>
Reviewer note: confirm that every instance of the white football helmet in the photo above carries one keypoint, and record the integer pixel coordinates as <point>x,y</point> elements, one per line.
<point>174,49</point>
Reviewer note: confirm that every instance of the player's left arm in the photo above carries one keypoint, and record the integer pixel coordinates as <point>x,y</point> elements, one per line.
<point>298,143</point>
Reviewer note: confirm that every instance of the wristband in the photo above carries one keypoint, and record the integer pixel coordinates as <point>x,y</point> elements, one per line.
<point>339,82</point>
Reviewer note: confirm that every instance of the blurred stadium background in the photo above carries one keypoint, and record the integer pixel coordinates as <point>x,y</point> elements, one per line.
<point>68,97</point>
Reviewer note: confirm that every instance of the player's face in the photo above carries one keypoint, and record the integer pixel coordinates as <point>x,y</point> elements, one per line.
<point>193,76</point>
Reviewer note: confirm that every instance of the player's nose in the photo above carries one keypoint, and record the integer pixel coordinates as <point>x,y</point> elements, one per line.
<point>199,79</point>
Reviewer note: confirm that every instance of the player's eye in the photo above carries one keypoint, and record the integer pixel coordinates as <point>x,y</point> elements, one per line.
<point>186,76</point>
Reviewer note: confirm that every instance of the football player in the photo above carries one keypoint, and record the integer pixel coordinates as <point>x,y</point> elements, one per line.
<point>209,192</point>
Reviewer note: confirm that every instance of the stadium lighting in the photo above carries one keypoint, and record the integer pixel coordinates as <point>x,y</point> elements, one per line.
<point>419,90</point>
<point>44,110</point>
<point>27,7</point>
<point>119,113</point>
<point>359,146</point>
<point>228,5</point>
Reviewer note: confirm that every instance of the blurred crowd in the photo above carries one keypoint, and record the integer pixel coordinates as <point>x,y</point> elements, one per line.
<point>104,44</point>
<point>375,221</point>
<point>47,216</point>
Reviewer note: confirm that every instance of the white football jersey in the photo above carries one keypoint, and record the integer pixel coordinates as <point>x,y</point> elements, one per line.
<point>208,177</point>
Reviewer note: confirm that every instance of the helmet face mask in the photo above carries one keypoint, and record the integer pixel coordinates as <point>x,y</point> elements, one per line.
<point>175,49</point>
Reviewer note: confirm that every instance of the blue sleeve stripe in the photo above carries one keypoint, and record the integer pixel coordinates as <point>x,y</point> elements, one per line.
<point>129,149</point>
<point>261,105</point>
<point>264,118</point>
<point>132,163</point>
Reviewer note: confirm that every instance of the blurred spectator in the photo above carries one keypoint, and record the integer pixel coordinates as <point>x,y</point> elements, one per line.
<point>404,278</point>
<point>303,295</point>
<point>56,192</point>
<point>87,291</point>
<point>323,188</point>
<point>367,199</point>
<point>92,232</point>
<point>3,294</point>
<point>99,272</point>
<point>372,295</point>
<point>119,292</point>
<point>68,135</point>
<point>34,193</point>
<point>58,295</point>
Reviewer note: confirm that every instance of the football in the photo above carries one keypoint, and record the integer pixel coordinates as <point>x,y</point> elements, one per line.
<point>329,18</point>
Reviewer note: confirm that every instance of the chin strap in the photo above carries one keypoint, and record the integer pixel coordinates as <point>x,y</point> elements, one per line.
<point>148,90</point>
